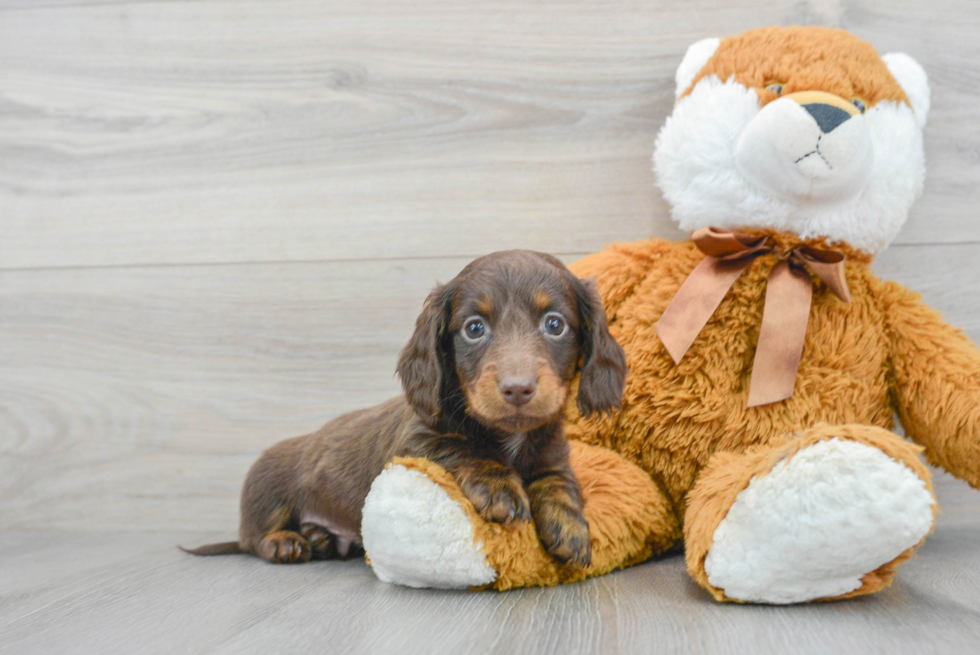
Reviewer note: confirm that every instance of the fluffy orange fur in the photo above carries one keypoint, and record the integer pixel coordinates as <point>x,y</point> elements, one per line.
<point>728,474</point>
<point>804,59</point>
<point>687,426</point>
<point>884,353</point>
<point>694,442</point>
<point>621,505</point>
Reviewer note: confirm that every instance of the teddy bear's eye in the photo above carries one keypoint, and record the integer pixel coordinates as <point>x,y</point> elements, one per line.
<point>775,87</point>
<point>857,102</point>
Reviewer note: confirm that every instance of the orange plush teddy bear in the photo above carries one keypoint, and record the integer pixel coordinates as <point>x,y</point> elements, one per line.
<point>767,360</point>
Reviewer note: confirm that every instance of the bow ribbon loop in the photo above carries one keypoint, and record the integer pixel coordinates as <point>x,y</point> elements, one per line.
<point>728,245</point>
<point>828,265</point>
<point>789,294</point>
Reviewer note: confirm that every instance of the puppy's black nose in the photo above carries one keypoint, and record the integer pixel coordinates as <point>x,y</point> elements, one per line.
<point>517,391</point>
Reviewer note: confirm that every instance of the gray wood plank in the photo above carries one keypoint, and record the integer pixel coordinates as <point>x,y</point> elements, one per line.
<point>395,140</point>
<point>120,593</point>
<point>948,277</point>
<point>195,132</point>
<point>136,399</point>
<point>125,391</point>
<point>22,5</point>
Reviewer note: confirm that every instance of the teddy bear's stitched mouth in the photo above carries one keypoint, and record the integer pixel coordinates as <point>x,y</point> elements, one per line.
<point>783,151</point>
<point>816,151</point>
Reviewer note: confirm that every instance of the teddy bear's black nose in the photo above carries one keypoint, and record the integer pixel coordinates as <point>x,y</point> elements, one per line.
<point>828,117</point>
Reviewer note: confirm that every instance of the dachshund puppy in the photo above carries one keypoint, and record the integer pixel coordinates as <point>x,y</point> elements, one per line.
<point>485,377</point>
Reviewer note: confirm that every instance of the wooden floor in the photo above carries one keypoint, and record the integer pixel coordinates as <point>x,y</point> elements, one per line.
<point>218,221</point>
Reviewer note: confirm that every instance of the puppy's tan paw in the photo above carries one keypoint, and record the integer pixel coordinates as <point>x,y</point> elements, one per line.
<point>496,492</point>
<point>284,547</point>
<point>564,533</point>
<point>326,545</point>
<point>322,543</point>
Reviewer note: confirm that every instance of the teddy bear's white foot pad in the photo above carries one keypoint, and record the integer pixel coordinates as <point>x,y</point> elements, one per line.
<point>817,523</point>
<point>416,535</point>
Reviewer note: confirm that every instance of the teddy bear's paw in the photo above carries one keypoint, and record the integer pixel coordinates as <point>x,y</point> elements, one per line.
<point>416,535</point>
<point>817,524</point>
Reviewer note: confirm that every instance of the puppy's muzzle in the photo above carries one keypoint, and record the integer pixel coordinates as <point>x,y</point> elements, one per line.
<point>517,390</point>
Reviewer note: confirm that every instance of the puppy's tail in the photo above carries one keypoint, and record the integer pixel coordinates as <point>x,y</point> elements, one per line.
<point>226,548</point>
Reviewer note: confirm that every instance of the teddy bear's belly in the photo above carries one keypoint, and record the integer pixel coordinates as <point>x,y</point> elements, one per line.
<point>675,416</point>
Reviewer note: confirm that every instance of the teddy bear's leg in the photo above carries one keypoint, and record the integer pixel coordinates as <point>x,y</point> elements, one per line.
<point>827,513</point>
<point>419,530</point>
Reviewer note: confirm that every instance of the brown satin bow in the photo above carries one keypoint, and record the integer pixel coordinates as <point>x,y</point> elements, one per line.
<point>784,317</point>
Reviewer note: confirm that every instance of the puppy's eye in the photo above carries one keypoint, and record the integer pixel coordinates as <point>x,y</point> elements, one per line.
<point>554,325</point>
<point>776,88</point>
<point>860,104</point>
<point>474,329</point>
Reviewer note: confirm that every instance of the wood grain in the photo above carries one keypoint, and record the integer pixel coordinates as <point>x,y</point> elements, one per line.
<point>117,593</point>
<point>200,132</point>
<point>125,392</point>
<point>218,221</point>
<point>136,399</point>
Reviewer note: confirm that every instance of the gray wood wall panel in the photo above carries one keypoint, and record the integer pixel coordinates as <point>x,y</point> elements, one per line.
<point>198,132</point>
<point>218,221</point>
<point>136,399</point>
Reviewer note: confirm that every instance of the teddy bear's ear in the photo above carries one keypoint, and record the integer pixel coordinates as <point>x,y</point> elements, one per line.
<point>913,80</point>
<point>695,58</point>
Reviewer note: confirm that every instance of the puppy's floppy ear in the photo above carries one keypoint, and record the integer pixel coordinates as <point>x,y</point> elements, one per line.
<point>603,360</point>
<point>423,364</point>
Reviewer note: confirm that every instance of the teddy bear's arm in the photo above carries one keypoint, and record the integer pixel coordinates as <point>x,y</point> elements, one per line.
<point>619,268</point>
<point>935,382</point>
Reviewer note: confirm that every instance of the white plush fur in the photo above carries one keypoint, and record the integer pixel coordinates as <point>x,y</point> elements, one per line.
<point>695,58</point>
<point>784,151</point>
<point>815,524</point>
<point>913,80</point>
<point>696,163</point>
<point>416,535</point>
<point>818,522</point>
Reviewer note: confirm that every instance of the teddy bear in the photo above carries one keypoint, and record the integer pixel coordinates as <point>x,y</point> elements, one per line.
<point>767,361</point>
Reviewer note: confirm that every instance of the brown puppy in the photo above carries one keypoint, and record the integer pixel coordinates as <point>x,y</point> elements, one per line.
<point>485,376</point>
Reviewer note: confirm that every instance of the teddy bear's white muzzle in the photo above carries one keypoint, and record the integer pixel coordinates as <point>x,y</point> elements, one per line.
<point>814,153</point>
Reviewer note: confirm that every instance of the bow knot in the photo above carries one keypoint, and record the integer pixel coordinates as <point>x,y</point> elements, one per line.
<point>789,294</point>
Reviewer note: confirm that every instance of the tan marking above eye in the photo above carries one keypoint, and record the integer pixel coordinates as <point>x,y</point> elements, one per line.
<point>542,300</point>
<point>485,305</point>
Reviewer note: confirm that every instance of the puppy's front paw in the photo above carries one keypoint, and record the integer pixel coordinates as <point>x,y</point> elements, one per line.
<point>564,533</point>
<point>284,547</point>
<point>322,543</point>
<point>496,492</point>
<point>326,545</point>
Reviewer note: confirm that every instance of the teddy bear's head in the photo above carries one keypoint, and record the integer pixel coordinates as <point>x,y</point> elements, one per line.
<point>798,129</point>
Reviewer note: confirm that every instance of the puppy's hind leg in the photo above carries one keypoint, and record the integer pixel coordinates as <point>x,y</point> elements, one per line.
<point>327,545</point>
<point>323,545</point>
<point>269,520</point>
<point>283,547</point>
<point>277,545</point>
